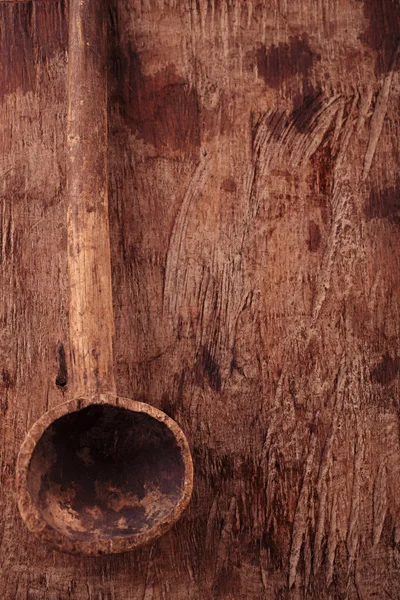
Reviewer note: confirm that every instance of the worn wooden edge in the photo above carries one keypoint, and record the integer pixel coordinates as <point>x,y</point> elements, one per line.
<point>30,513</point>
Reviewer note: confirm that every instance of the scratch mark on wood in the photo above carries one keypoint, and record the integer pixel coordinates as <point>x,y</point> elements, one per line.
<point>341,206</point>
<point>332,541</point>
<point>211,525</point>
<point>379,114</point>
<point>176,267</point>
<point>225,538</point>
<point>347,133</point>
<point>357,583</point>
<point>301,514</point>
<point>379,504</point>
<point>148,593</point>
<point>353,527</point>
<point>263,570</point>
<point>365,105</point>
<point>339,121</point>
<point>326,467</point>
<point>278,141</point>
<point>307,143</point>
<point>307,549</point>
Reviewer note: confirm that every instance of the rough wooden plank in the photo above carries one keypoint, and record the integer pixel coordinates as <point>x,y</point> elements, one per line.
<point>256,287</point>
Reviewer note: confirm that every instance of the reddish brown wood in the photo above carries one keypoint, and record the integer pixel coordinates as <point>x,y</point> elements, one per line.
<point>99,474</point>
<point>89,264</point>
<point>256,144</point>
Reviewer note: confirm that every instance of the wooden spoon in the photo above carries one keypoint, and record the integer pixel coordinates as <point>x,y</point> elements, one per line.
<point>98,474</point>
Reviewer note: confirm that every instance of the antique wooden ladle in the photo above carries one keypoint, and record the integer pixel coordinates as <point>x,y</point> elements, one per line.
<point>98,474</point>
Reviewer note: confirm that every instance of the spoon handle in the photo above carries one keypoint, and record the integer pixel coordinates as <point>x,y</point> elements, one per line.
<point>89,264</point>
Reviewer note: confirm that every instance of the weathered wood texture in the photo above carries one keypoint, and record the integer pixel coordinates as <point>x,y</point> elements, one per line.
<point>91,320</point>
<point>255,227</point>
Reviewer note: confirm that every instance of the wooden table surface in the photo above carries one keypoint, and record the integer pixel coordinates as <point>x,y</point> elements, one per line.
<point>255,227</point>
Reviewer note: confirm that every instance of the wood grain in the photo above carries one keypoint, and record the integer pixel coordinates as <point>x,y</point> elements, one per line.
<point>89,260</point>
<point>254,220</point>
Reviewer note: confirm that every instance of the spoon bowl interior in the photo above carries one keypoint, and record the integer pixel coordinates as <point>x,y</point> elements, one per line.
<point>105,476</point>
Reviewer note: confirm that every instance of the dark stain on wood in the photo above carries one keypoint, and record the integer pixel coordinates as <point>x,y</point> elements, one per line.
<point>388,529</point>
<point>305,106</point>
<point>6,381</point>
<point>162,109</point>
<point>386,370</point>
<point>226,467</point>
<point>227,582</point>
<point>280,62</point>
<point>28,31</point>
<point>16,48</point>
<point>384,204</point>
<point>51,28</point>
<point>275,558</point>
<point>277,124</point>
<point>5,241</point>
<point>383,30</point>
<point>206,366</point>
<point>228,185</point>
<point>314,236</point>
<point>322,169</point>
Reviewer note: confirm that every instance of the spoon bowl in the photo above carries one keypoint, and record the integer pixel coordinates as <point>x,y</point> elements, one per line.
<point>103,474</point>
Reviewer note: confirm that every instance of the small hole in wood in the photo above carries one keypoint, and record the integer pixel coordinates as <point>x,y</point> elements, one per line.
<point>62,375</point>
